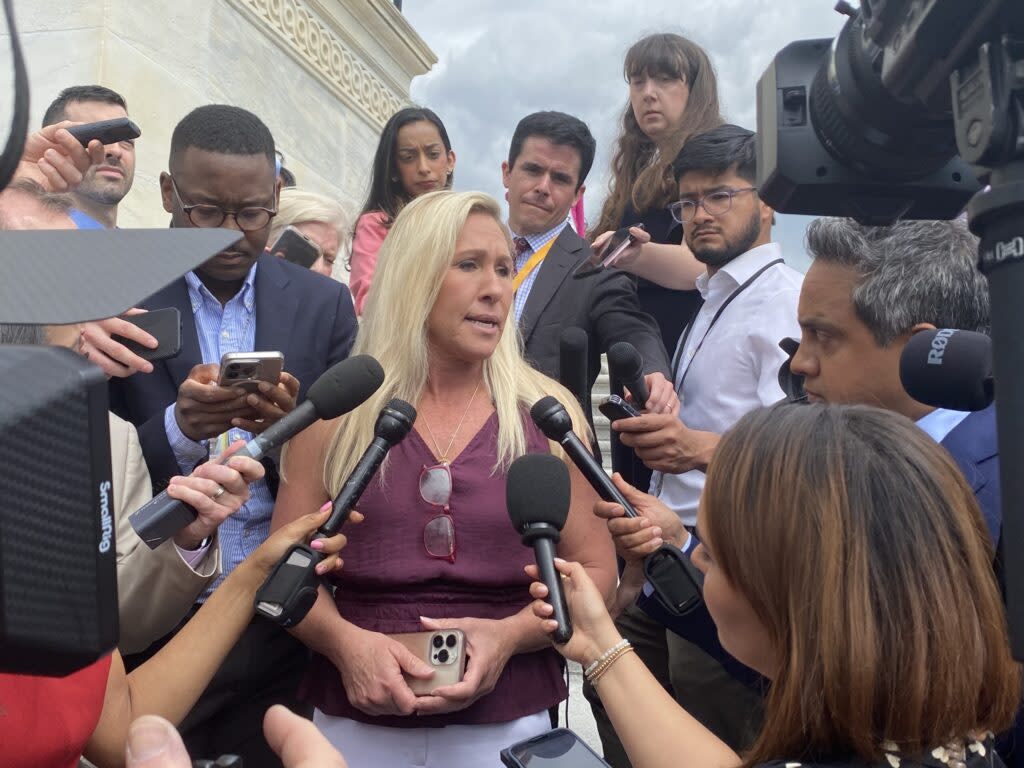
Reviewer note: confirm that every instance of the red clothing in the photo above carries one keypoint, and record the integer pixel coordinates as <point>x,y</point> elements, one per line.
<point>45,722</point>
<point>369,235</point>
<point>389,581</point>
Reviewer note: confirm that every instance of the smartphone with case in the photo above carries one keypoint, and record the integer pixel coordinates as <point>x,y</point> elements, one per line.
<point>614,408</point>
<point>560,748</point>
<point>164,325</point>
<point>296,247</point>
<point>609,254</point>
<point>248,369</point>
<point>106,131</point>
<point>443,649</point>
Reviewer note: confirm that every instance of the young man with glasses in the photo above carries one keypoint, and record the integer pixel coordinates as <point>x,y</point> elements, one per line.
<point>222,174</point>
<point>725,364</point>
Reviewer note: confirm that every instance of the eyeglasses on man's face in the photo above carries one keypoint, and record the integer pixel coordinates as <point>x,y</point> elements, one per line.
<point>207,215</point>
<point>715,203</point>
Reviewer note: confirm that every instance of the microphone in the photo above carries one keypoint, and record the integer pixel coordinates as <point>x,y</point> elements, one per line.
<point>675,580</point>
<point>291,588</point>
<point>947,368</point>
<point>342,387</point>
<point>554,421</point>
<point>573,365</point>
<point>626,365</point>
<point>537,494</point>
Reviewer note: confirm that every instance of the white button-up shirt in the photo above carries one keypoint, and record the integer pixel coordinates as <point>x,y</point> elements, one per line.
<point>736,368</point>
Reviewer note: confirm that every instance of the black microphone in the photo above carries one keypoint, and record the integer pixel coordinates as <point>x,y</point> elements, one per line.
<point>947,368</point>
<point>339,389</point>
<point>554,421</point>
<point>290,590</point>
<point>537,494</point>
<point>626,365</point>
<point>675,580</point>
<point>574,364</point>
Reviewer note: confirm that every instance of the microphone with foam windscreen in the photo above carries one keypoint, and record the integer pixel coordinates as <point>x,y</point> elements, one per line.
<point>627,366</point>
<point>537,494</point>
<point>674,579</point>
<point>290,590</point>
<point>339,389</point>
<point>574,363</point>
<point>947,368</point>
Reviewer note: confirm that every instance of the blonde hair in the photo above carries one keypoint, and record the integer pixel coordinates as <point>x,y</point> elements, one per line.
<point>411,266</point>
<point>299,205</point>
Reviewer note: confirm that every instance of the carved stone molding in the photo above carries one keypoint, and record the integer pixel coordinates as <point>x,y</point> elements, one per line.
<point>325,55</point>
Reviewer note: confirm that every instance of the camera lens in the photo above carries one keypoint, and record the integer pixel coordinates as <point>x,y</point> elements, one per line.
<point>437,641</point>
<point>450,641</point>
<point>442,656</point>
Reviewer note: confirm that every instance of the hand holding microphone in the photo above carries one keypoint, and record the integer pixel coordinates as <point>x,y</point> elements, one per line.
<point>537,494</point>
<point>290,591</point>
<point>653,392</point>
<point>674,579</point>
<point>341,388</point>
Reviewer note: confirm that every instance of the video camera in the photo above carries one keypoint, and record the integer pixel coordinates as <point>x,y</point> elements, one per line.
<point>907,113</point>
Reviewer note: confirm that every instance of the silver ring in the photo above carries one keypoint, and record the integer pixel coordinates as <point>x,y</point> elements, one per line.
<point>219,493</point>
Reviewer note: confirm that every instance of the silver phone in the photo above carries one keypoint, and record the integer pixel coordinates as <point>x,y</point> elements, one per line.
<point>248,369</point>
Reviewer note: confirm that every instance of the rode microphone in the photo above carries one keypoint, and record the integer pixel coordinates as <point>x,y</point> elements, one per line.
<point>947,368</point>
<point>675,580</point>
<point>339,389</point>
<point>290,590</point>
<point>626,365</point>
<point>574,363</point>
<point>537,495</point>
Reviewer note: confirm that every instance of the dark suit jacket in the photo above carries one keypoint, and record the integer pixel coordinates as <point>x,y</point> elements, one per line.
<point>304,315</point>
<point>972,444</point>
<point>604,305</point>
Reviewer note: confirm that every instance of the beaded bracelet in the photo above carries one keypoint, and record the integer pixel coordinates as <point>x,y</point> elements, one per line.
<point>609,664</point>
<point>605,657</point>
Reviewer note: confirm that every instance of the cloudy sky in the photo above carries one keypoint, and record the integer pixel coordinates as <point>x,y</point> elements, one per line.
<point>499,60</point>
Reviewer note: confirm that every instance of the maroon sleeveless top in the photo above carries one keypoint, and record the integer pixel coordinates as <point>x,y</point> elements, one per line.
<point>389,580</point>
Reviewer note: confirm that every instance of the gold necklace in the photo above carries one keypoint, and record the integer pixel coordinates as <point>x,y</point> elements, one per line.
<point>443,458</point>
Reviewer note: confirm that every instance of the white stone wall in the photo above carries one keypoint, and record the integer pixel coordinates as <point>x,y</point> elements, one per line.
<point>323,74</point>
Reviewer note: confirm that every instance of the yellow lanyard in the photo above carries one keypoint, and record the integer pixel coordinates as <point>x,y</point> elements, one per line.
<point>532,263</point>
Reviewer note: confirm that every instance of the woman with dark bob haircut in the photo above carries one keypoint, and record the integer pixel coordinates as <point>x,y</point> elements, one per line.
<point>845,559</point>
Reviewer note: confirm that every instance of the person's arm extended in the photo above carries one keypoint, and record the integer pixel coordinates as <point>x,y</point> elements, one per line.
<point>655,731</point>
<point>171,681</point>
<point>667,264</point>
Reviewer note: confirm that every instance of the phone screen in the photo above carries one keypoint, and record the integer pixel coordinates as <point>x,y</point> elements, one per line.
<point>560,748</point>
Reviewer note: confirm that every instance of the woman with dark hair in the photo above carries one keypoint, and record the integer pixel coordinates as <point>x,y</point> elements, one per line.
<point>414,156</point>
<point>673,95</point>
<point>845,559</point>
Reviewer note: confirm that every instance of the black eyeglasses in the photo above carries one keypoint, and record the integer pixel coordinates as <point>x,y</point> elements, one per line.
<point>206,215</point>
<point>715,203</point>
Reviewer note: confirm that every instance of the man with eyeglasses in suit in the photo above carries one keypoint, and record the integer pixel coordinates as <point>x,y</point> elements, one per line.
<point>222,173</point>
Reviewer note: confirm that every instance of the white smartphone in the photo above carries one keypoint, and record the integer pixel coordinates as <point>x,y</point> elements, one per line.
<point>441,649</point>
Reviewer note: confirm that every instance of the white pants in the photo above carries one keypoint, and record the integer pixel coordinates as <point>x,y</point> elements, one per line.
<point>454,746</point>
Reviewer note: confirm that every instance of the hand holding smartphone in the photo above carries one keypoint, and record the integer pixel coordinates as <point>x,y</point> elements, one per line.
<point>296,247</point>
<point>442,649</point>
<point>106,131</point>
<point>164,325</point>
<point>609,254</point>
<point>248,369</point>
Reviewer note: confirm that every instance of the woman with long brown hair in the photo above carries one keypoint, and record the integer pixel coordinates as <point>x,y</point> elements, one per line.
<point>845,559</point>
<point>673,95</point>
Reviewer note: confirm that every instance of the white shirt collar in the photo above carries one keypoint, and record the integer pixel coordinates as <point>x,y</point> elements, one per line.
<point>742,268</point>
<point>940,422</point>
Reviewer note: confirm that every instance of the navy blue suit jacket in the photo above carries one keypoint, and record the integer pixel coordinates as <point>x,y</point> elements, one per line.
<point>304,315</point>
<point>972,444</point>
